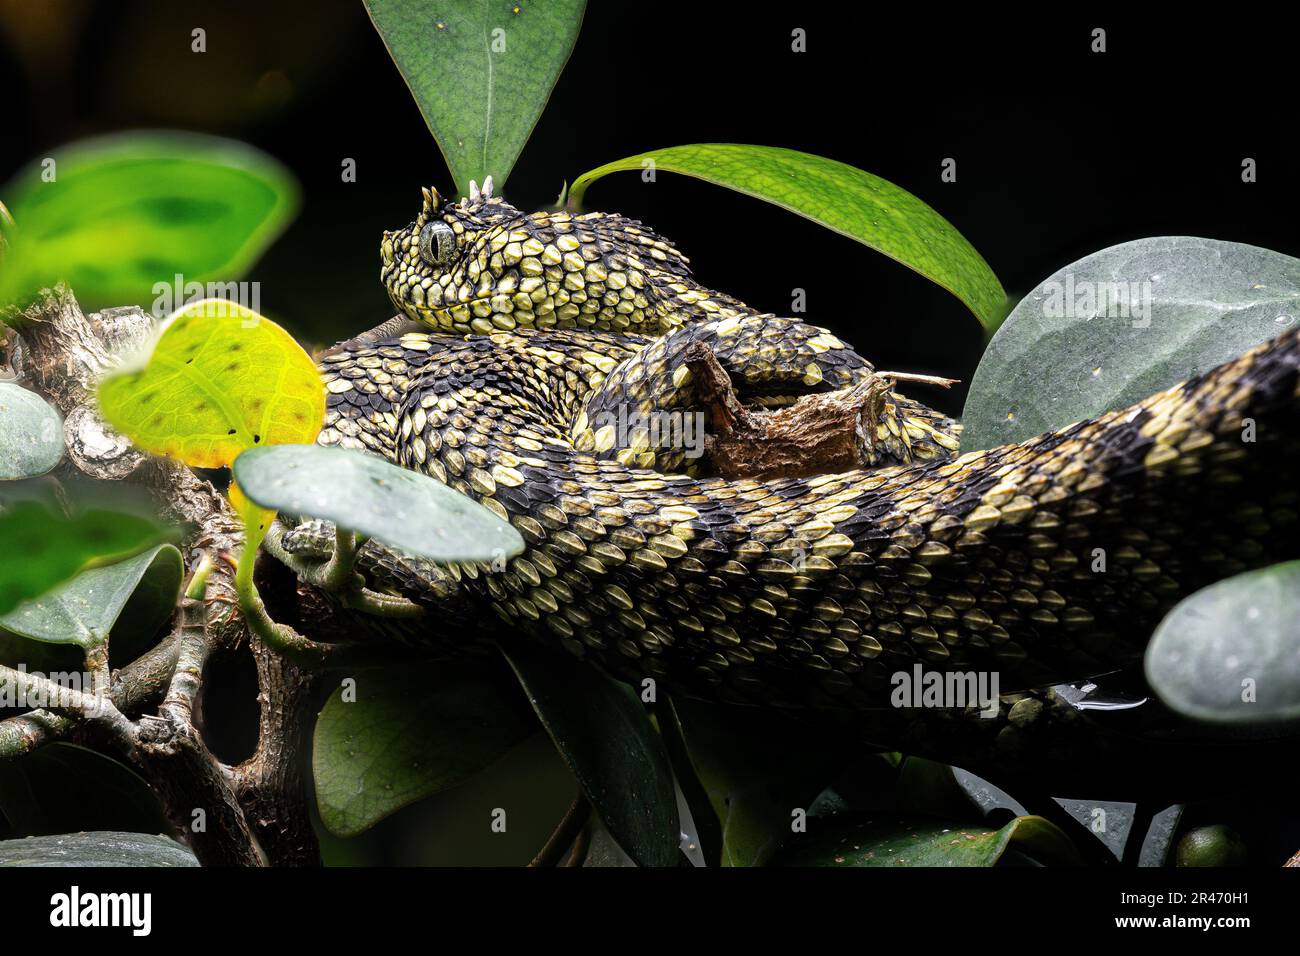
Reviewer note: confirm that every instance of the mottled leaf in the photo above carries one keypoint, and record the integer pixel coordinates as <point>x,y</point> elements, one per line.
<point>602,730</point>
<point>407,734</point>
<point>220,379</point>
<point>842,198</point>
<point>114,216</point>
<point>363,493</point>
<point>31,433</point>
<point>1229,653</point>
<point>1121,324</point>
<point>481,72</point>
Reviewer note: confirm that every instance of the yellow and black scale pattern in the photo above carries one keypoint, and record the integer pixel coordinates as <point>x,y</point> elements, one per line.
<point>790,592</point>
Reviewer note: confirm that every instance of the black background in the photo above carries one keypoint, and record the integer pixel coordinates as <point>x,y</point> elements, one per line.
<point>1060,151</point>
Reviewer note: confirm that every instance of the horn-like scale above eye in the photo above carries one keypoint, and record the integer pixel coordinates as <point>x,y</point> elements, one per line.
<point>437,243</point>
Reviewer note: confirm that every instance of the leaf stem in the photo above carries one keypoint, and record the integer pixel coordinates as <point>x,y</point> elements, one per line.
<point>566,833</point>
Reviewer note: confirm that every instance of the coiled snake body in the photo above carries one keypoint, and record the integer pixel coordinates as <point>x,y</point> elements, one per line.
<point>1044,561</point>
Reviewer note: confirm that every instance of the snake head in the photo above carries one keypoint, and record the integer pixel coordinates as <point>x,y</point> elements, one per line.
<point>480,265</point>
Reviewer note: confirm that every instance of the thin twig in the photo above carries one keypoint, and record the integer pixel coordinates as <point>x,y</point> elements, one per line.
<point>193,646</point>
<point>581,846</point>
<point>97,709</point>
<point>28,732</point>
<point>575,818</point>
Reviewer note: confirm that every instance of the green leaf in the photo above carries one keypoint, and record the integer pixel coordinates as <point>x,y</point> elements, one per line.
<point>850,840</point>
<point>1227,654</point>
<point>128,211</point>
<point>407,735</point>
<point>84,610</point>
<point>31,433</point>
<point>220,379</point>
<point>1187,306</point>
<point>63,786</point>
<point>842,198</point>
<point>96,849</point>
<point>604,734</point>
<point>931,788</point>
<point>758,768</point>
<point>481,72</point>
<point>40,549</point>
<point>362,493</point>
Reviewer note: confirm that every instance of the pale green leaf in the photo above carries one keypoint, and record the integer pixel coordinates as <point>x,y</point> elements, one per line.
<point>360,492</point>
<point>31,433</point>
<point>1124,323</point>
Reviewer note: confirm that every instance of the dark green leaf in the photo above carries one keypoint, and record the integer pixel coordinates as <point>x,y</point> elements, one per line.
<point>931,788</point>
<point>94,850</point>
<point>83,611</point>
<point>362,493</point>
<point>851,840</point>
<point>65,787</point>
<point>842,198</point>
<point>1185,305</point>
<point>128,211</point>
<point>40,549</point>
<point>407,735</point>
<point>1228,653</point>
<point>758,768</point>
<point>31,433</point>
<point>481,72</point>
<point>606,737</point>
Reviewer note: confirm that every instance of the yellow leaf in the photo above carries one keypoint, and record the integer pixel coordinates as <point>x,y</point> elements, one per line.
<point>220,379</point>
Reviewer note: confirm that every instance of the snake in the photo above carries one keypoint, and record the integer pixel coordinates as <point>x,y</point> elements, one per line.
<point>528,345</point>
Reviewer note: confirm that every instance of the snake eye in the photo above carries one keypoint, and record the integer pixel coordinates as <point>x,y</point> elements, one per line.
<point>437,243</point>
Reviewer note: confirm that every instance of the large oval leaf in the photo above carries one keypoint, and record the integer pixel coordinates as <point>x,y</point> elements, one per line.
<point>851,840</point>
<point>365,494</point>
<point>1230,653</point>
<point>220,378</point>
<point>62,786</point>
<point>605,736</point>
<point>397,736</point>
<point>31,433</point>
<point>1121,324</point>
<point>842,198</point>
<point>84,610</point>
<point>480,72</point>
<point>96,849</point>
<point>40,548</point>
<point>115,216</point>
